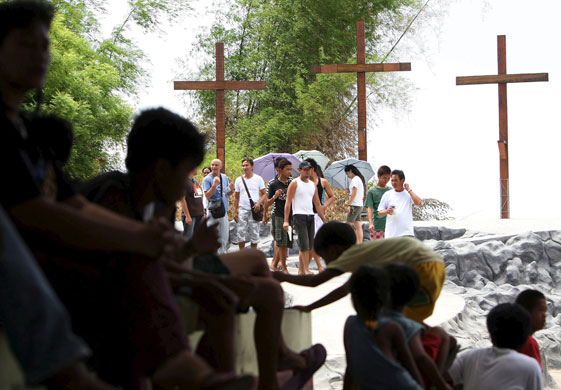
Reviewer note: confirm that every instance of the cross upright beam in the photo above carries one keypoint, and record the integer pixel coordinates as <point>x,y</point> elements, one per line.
<point>360,68</point>
<point>219,85</point>
<point>502,79</point>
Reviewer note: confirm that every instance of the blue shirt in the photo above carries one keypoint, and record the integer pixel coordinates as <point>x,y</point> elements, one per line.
<point>207,183</point>
<point>368,365</point>
<point>409,326</point>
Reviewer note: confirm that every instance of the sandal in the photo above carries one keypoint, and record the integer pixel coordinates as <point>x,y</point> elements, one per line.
<point>315,357</point>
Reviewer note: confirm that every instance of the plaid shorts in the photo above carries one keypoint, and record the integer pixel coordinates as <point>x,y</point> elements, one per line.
<point>378,234</point>
<point>281,235</point>
<point>248,228</point>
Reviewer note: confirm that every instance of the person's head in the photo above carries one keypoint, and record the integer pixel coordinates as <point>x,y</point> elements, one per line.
<point>509,325</point>
<point>206,171</point>
<point>316,169</point>
<point>305,169</point>
<point>369,287</point>
<point>215,166</point>
<point>247,166</point>
<point>398,179</point>
<point>165,147</point>
<point>404,284</point>
<point>353,171</point>
<point>53,133</point>
<point>384,175</point>
<point>284,168</point>
<point>332,239</point>
<point>534,302</point>
<point>24,44</point>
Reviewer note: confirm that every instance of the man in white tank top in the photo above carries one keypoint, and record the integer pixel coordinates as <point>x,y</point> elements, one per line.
<point>301,196</point>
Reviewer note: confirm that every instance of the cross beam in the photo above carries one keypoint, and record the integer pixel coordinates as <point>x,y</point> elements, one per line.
<point>219,85</point>
<point>502,79</point>
<point>360,68</point>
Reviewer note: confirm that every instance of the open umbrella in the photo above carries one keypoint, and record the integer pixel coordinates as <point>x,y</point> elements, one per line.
<point>336,175</point>
<point>265,166</point>
<point>320,158</point>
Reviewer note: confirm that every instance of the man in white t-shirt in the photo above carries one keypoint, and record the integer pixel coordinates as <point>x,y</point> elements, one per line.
<point>397,204</point>
<point>248,228</point>
<point>500,366</point>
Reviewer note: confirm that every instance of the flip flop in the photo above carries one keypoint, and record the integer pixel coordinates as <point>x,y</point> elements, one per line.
<point>315,356</point>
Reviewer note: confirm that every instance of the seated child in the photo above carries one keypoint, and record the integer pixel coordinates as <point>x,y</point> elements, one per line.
<point>534,302</point>
<point>404,284</point>
<point>500,366</point>
<point>335,242</point>
<point>370,341</point>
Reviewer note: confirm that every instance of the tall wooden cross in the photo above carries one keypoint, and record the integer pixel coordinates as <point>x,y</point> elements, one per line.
<point>360,68</point>
<point>502,78</point>
<point>219,86</point>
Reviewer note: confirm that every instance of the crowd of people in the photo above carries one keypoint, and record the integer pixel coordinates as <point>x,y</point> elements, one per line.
<point>92,274</point>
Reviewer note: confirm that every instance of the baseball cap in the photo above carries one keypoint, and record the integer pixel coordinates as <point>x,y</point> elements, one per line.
<point>304,165</point>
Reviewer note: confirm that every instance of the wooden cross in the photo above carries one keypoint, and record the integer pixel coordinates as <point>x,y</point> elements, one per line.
<point>502,78</point>
<point>360,68</point>
<point>219,86</point>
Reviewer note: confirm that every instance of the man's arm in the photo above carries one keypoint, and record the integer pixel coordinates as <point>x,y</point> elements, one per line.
<point>417,201</point>
<point>85,225</point>
<point>307,280</point>
<point>333,296</point>
<point>236,205</point>
<point>425,363</point>
<point>186,211</point>
<point>319,207</point>
<point>329,191</point>
<point>210,192</point>
<point>289,196</point>
<point>262,198</point>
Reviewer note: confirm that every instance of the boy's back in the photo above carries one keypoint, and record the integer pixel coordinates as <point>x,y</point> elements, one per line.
<point>496,368</point>
<point>370,368</point>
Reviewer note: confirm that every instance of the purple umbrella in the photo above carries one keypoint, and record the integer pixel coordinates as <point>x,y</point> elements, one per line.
<point>265,166</point>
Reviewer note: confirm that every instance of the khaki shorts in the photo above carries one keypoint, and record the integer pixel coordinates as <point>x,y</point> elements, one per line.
<point>354,215</point>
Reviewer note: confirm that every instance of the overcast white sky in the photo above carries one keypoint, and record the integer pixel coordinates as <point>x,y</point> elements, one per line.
<point>446,142</point>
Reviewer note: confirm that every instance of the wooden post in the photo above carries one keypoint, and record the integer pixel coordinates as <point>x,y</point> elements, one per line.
<point>360,68</point>
<point>502,79</point>
<point>219,86</point>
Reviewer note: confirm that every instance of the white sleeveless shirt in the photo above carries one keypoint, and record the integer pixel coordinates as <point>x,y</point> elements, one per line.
<point>304,198</point>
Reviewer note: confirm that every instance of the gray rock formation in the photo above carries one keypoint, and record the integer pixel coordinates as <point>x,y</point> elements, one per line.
<point>491,271</point>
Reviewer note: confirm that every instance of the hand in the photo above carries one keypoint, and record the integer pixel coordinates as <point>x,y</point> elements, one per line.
<point>232,187</point>
<point>188,220</point>
<point>214,296</point>
<point>256,207</point>
<point>323,219</point>
<point>236,216</point>
<point>285,226</point>
<point>348,209</point>
<point>278,193</point>
<point>216,180</point>
<point>406,187</point>
<point>264,220</point>
<point>371,228</point>
<point>390,210</point>
<point>205,239</point>
<point>164,237</point>
<point>305,309</point>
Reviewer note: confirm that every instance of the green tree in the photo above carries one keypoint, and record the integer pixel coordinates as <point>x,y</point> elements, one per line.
<point>278,42</point>
<point>90,78</point>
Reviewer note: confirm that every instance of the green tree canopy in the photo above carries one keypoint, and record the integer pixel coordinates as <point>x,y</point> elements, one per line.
<point>278,42</point>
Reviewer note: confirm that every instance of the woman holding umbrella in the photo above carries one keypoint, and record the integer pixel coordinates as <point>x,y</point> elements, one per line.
<point>357,190</point>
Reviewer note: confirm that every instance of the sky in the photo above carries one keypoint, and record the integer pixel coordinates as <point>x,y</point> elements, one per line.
<point>445,139</point>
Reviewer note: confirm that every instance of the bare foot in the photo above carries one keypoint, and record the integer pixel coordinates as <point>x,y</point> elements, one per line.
<point>285,270</point>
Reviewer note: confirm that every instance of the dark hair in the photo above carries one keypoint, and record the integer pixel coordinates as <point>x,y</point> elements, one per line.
<point>356,172</point>
<point>22,13</point>
<point>404,283</point>
<point>384,170</point>
<point>315,166</point>
<point>283,163</point>
<point>369,290</point>
<point>277,160</point>
<point>54,134</point>
<point>529,299</point>
<point>206,168</point>
<point>334,233</point>
<point>159,133</point>
<point>399,173</point>
<point>249,160</point>
<point>509,325</point>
